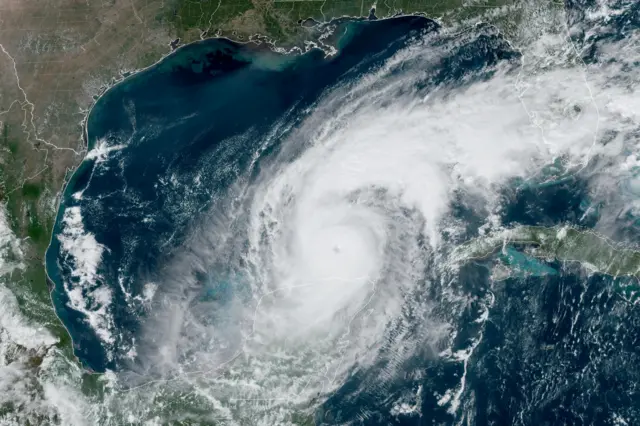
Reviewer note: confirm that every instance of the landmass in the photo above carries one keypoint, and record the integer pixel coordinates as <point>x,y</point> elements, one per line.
<point>562,243</point>
<point>58,56</point>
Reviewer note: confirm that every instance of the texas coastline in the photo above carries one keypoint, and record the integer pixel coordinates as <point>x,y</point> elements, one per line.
<point>174,78</point>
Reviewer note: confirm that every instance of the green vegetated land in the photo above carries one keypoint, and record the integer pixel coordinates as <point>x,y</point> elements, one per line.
<point>44,86</point>
<point>56,59</point>
<point>30,218</point>
<point>55,62</point>
<point>565,244</point>
<point>280,19</point>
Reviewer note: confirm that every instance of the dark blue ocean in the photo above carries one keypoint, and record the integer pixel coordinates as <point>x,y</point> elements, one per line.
<point>179,118</point>
<point>180,122</point>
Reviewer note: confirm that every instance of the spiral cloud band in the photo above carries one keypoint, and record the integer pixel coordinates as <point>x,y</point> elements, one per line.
<point>326,256</point>
<point>339,237</point>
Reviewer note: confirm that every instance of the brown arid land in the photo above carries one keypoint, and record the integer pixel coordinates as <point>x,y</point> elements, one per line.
<point>58,56</point>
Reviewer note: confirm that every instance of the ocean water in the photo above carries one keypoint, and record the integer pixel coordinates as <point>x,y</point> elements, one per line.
<point>272,230</point>
<point>184,131</point>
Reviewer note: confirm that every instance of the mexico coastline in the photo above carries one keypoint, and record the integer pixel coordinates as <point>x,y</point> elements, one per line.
<point>127,206</point>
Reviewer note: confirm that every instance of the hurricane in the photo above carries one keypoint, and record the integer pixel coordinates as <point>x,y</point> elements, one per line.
<point>297,242</point>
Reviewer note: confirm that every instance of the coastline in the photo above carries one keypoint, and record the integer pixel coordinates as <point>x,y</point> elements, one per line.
<point>258,43</point>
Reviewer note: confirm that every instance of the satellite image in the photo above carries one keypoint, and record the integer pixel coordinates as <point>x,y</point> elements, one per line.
<point>319,212</point>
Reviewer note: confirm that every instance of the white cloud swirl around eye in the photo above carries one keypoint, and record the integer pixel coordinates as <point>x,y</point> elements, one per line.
<point>331,250</point>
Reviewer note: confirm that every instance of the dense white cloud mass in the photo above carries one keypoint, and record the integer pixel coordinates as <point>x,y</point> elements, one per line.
<point>325,265</point>
<point>332,252</point>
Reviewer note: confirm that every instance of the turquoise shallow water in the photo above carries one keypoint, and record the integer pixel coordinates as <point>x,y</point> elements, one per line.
<point>171,142</point>
<point>184,130</point>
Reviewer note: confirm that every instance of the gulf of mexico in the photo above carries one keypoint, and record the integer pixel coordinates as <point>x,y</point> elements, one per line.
<point>166,143</point>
